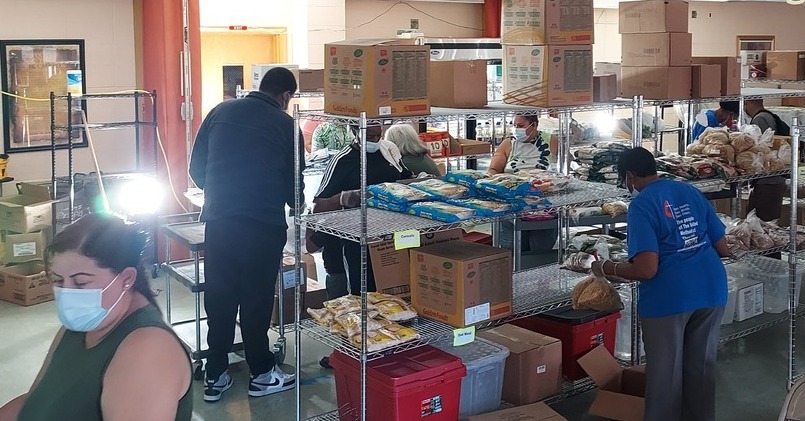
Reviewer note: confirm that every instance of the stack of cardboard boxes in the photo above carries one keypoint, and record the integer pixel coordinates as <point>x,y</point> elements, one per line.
<point>25,230</point>
<point>547,52</point>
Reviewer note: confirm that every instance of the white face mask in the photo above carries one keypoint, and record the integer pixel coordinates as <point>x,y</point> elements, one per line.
<point>372,147</point>
<point>81,310</point>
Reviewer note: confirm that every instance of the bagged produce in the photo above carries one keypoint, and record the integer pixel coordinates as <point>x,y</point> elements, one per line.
<point>467,178</point>
<point>439,211</point>
<point>441,189</point>
<point>596,293</point>
<point>485,207</point>
<point>397,193</point>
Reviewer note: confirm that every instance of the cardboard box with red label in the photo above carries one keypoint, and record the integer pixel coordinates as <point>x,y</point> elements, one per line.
<point>438,143</point>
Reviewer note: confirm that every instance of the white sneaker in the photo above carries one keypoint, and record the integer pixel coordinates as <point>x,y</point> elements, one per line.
<point>288,376</point>
<point>269,383</point>
<point>214,388</point>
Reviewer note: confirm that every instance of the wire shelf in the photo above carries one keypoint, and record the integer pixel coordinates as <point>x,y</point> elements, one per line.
<point>774,81</point>
<point>184,271</point>
<point>109,126</point>
<point>714,182</point>
<point>334,415</point>
<point>737,330</point>
<point>572,388</point>
<point>107,96</point>
<point>382,225</point>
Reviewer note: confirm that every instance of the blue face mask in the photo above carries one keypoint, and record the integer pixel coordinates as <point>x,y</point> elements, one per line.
<point>81,310</point>
<point>372,147</point>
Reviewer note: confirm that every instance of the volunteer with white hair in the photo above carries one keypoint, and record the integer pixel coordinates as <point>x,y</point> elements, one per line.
<point>414,152</point>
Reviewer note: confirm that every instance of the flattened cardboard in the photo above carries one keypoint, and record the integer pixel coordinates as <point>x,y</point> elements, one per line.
<point>730,72</point>
<point>547,75</point>
<point>658,50</point>
<point>785,65</point>
<point>534,412</point>
<point>656,82</point>
<point>705,80</point>
<point>392,267</point>
<point>384,78</point>
<point>458,84</point>
<point>541,22</point>
<point>650,16</point>
<point>534,366</point>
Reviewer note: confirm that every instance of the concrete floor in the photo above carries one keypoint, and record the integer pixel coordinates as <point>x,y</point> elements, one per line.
<point>751,378</point>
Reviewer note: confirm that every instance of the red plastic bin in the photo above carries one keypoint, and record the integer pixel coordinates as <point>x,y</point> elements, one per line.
<point>423,383</point>
<point>579,330</point>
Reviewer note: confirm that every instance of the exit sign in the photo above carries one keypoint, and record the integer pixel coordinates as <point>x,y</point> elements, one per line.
<point>238,27</point>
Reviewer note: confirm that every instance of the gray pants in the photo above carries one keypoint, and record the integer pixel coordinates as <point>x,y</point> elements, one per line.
<point>681,365</point>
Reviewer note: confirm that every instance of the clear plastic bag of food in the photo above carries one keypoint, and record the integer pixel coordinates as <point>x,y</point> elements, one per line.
<point>439,211</point>
<point>596,293</point>
<point>467,178</point>
<point>351,322</point>
<point>394,311</point>
<point>402,333</point>
<point>615,208</point>
<point>484,207</point>
<point>579,262</point>
<point>322,316</point>
<point>377,340</point>
<point>548,181</point>
<point>376,203</point>
<point>397,193</point>
<point>508,186</point>
<point>442,189</point>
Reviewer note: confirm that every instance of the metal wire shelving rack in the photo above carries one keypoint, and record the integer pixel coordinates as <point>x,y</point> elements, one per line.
<point>536,290</point>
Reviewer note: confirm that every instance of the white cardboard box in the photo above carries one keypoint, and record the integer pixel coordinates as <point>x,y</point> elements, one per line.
<point>750,302</point>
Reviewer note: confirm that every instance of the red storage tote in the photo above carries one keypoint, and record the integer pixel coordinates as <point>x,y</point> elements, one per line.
<point>423,383</point>
<point>579,330</point>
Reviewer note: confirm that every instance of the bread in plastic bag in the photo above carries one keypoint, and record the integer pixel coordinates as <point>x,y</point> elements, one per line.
<point>615,208</point>
<point>714,135</point>
<point>596,293</point>
<point>777,164</point>
<point>466,178</point>
<point>719,150</point>
<point>397,193</point>
<point>484,207</point>
<point>442,189</point>
<point>741,142</point>
<point>439,211</point>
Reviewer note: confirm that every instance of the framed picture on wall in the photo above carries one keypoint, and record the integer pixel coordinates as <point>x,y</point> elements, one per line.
<point>30,71</point>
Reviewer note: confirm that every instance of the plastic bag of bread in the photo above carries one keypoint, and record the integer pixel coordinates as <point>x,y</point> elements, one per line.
<point>750,161</point>
<point>351,322</point>
<point>715,135</point>
<point>741,142</point>
<point>595,293</point>
<point>777,164</point>
<point>322,316</point>
<point>395,311</point>
<point>778,142</point>
<point>695,148</point>
<point>376,340</point>
<point>615,208</point>
<point>579,262</point>
<point>784,154</point>
<point>726,152</point>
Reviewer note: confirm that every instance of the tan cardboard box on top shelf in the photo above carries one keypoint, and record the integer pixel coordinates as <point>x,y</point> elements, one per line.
<point>602,68</point>
<point>785,65</point>
<point>311,80</point>
<point>383,77</point>
<point>649,16</point>
<point>548,75</point>
<point>730,72</point>
<point>657,82</point>
<point>25,284</point>
<point>705,81</point>
<point>458,84</point>
<point>658,50</point>
<point>605,87</point>
<point>542,22</point>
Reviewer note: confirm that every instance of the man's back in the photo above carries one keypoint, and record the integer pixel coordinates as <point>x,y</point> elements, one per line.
<point>765,120</point>
<point>243,159</point>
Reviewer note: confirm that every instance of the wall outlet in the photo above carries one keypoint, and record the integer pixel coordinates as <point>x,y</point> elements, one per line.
<point>414,23</point>
<point>694,14</point>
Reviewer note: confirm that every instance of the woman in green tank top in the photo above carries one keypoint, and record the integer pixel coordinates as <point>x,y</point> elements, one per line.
<point>115,359</point>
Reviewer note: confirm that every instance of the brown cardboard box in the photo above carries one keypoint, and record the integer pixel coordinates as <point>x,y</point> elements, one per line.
<point>648,16</point>
<point>461,283</point>
<point>29,211</point>
<point>458,84</point>
<point>605,87</point>
<point>24,247</point>
<point>730,72</point>
<point>25,284</point>
<point>602,68</point>
<point>794,102</point>
<point>381,77</point>
<point>785,65</point>
<point>541,22</point>
<point>656,82</point>
<point>392,267</point>
<point>621,394</point>
<point>548,75</point>
<point>311,80</point>
<point>464,147</point>
<point>288,293</point>
<point>666,49</point>
<point>534,366</point>
<point>534,412</point>
<point>705,81</point>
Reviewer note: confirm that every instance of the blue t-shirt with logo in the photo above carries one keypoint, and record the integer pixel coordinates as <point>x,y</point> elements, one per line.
<point>674,220</point>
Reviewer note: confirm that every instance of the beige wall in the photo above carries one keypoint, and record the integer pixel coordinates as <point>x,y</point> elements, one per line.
<point>107,26</point>
<point>358,12</point>
<point>716,27</point>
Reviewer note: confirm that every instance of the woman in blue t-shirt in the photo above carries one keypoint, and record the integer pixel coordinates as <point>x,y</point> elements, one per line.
<point>675,243</point>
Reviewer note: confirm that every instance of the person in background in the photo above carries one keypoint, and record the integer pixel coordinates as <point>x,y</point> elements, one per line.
<point>725,115</point>
<point>675,243</point>
<point>340,189</point>
<point>243,159</point>
<point>115,358</point>
<point>414,152</point>
<point>767,193</point>
<point>527,149</point>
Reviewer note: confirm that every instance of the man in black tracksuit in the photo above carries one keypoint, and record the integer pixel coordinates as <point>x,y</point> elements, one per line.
<point>243,158</point>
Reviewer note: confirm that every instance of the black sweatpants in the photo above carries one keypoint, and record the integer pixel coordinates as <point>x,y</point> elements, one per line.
<point>241,261</point>
<point>352,256</point>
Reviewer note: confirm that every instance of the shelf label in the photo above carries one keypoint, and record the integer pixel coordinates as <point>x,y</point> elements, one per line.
<point>406,239</point>
<point>464,336</point>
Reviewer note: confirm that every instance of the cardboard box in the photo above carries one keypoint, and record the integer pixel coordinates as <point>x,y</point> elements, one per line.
<point>25,284</point>
<point>534,365</point>
<point>660,50</point>
<point>311,80</point>
<point>794,102</point>
<point>380,77</point>
<point>548,75</point>
<point>465,147</point>
<point>458,84</point>
<point>541,22</point>
<point>288,296</point>
<point>461,283</point>
<point>621,394</point>
<point>603,68</point>
<point>656,82</point>
<point>535,412</point>
<point>605,87</point>
<point>705,81</point>
<point>259,70</point>
<point>649,16</point>
<point>392,268</point>
<point>785,65</point>
<point>29,211</point>
<point>24,247</point>
<point>730,72</point>
<point>750,302</point>
<point>437,142</point>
